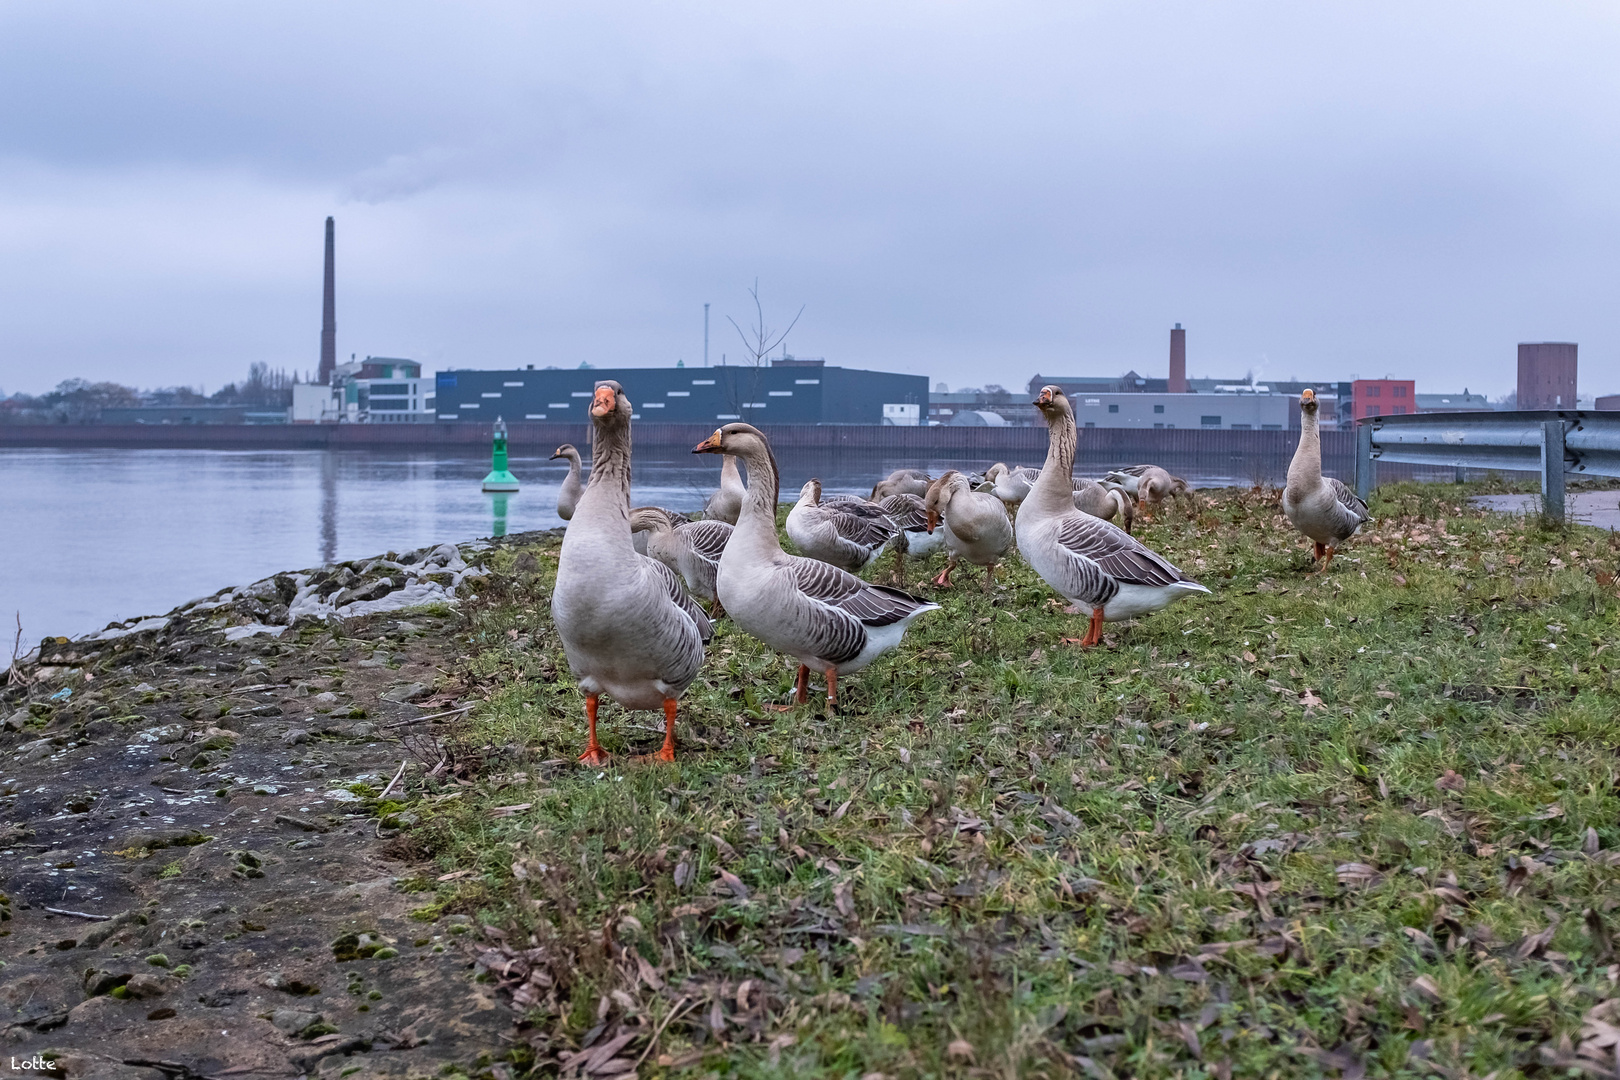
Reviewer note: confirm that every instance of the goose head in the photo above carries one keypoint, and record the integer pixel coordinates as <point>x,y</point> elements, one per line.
<point>609,406</point>
<point>810,494</point>
<point>566,450</point>
<point>650,519</point>
<point>1052,402</point>
<point>939,493</point>
<point>749,444</point>
<point>1307,401</point>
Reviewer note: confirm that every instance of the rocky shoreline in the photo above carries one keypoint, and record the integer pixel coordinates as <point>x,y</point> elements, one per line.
<point>197,873</point>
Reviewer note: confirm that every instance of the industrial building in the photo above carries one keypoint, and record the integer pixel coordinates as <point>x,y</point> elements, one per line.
<point>786,392</point>
<point>1382,397</point>
<point>376,390</point>
<point>1547,371</point>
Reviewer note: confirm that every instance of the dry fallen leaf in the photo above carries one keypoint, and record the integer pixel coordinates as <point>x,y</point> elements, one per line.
<point>1400,579</point>
<point>1308,698</point>
<point>1248,657</point>
<point>734,883</point>
<point>961,1050</point>
<point>1451,781</point>
<point>1427,988</point>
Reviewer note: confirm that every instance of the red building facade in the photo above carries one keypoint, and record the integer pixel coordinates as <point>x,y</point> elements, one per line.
<point>1382,397</point>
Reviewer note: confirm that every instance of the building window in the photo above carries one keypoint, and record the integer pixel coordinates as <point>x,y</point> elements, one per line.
<point>1400,410</point>
<point>1158,425</point>
<point>1210,421</point>
<point>702,382</point>
<point>778,393</point>
<point>583,393</point>
<point>1373,410</point>
<point>677,393</point>
<point>653,405</point>
<point>1113,408</point>
<point>728,416</point>
<point>1270,427</point>
<point>1158,408</point>
<point>806,382</point>
<point>534,416</point>
<point>1374,391</point>
<point>1400,391</point>
<point>753,404</point>
<point>1091,423</point>
<point>490,393</point>
<point>556,404</point>
<point>511,384</point>
<point>1240,427</point>
<point>465,405</point>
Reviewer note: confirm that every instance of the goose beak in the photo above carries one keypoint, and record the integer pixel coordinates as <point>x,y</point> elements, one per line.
<point>711,445</point>
<point>605,401</point>
<point>1043,399</point>
<point>933,519</point>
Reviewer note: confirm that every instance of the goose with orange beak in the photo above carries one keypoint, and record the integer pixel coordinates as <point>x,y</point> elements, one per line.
<point>1321,507</point>
<point>628,627</point>
<point>1094,563</point>
<point>826,618</point>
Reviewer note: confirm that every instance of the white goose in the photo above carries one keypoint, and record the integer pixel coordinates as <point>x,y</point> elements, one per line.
<point>1322,508</point>
<point>568,495</point>
<point>1092,562</point>
<point>848,534</point>
<point>901,482</point>
<point>690,548</point>
<point>1012,485</point>
<point>1149,485</point>
<point>824,617</point>
<point>973,523</point>
<point>627,626</point>
<point>726,503</point>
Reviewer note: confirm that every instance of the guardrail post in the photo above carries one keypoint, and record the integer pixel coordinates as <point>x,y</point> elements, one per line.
<point>1552,470</point>
<point>1366,476</point>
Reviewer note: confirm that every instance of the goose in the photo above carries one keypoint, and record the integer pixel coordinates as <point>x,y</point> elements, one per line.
<point>690,548</point>
<point>628,627</point>
<point>1322,508</point>
<point>1150,485</point>
<point>973,523</point>
<point>822,616</point>
<point>910,516</point>
<point>848,534</point>
<point>726,503</point>
<point>1106,501</point>
<point>1012,485</point>
<point>639,536</point>
<point>901,482</point>
<point>568,495</point>
<point>1093,563</point>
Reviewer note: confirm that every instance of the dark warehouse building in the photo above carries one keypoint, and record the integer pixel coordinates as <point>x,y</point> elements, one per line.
<point>791,392</point>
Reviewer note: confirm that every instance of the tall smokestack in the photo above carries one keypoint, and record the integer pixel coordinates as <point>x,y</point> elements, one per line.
<point>328,318</point>
<point>1178,360</point>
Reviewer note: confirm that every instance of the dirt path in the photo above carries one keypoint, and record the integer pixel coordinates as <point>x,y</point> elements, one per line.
<point>194,792</point>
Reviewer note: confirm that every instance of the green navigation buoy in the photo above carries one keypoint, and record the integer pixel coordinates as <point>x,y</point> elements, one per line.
<point>499,479</point>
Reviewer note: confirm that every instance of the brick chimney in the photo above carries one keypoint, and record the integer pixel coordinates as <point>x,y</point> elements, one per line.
<point>323,375</point>
<point>1178,360</point>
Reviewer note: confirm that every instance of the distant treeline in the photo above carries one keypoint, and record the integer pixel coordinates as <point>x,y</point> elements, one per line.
<point>80,401</point>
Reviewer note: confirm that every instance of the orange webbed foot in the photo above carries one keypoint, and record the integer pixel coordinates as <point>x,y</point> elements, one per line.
<point>595,757</point>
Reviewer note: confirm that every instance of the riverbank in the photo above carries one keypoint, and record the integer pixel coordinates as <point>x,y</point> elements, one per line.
<point>1309,824</point>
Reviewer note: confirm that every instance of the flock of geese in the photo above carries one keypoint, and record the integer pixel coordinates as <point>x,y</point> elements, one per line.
<point>629,578</point>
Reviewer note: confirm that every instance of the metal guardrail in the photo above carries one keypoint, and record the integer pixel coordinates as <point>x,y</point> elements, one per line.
<point>1554,444</point>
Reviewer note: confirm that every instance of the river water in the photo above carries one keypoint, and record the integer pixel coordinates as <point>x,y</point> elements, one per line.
<point>91,536</point>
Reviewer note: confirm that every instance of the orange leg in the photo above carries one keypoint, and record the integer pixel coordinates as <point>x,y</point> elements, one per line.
<point>801,685</point>
<point>989,577</point>
<point>665,753</point>
<point>1327,559</point>
<point>594,754</point>
<point>944,579</point>
<point>1094,631</point>
<point>832,688</point>
<point>1321,549</point>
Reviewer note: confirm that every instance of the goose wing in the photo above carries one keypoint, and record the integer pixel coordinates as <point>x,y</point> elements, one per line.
<point>707,538</point>
<point>1116,552</point>
<point>868,604</point>
<point>906,511</point>
<point>1349,499</point>
<point>670,582</point>
<point>864,524</point>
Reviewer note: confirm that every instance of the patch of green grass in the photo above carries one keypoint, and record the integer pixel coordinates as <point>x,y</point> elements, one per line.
<point>1367,816</point>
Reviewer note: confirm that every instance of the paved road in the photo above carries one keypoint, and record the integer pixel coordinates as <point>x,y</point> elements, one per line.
<point>1600,508</point>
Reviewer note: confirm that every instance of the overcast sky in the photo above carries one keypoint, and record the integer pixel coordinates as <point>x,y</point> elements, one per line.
<point>975,192</point>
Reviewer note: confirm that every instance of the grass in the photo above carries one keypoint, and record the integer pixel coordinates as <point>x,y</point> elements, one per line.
<point>1304,826</point>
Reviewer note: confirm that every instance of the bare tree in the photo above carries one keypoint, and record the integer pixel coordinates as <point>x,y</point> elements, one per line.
<point>759,341</point>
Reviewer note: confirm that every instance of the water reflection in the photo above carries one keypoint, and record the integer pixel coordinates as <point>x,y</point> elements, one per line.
<point>498,508</point>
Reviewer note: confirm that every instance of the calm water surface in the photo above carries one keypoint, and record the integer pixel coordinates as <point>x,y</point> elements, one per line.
<point>92,536</point>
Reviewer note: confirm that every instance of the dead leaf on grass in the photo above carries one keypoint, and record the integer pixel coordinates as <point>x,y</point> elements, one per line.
<point>1451,781</point>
